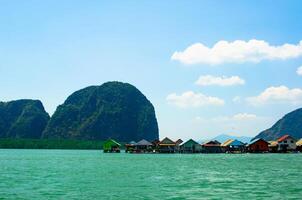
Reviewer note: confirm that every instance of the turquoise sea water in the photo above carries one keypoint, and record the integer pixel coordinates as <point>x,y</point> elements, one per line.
<point>78,174</point>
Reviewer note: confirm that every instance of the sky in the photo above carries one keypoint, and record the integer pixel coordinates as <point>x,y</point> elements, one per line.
<point>208,67</point>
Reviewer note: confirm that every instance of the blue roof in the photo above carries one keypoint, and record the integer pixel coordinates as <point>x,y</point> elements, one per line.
<point>132,142</point>
<point>236,143</point>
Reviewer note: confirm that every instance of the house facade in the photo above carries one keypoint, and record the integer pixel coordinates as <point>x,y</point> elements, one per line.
<point>225,145</point>
<point>258,146</point>
<point>130,147</point>
<point>190,146</point>
<point>143,146</point>
<point>233,146</point>
<point>178,144</point>
<point>286,143</point>
<point>111,146</point>
<point>299,145</point>
<point>166,146</point>
<point>273,146</point>
<point>212,146</point>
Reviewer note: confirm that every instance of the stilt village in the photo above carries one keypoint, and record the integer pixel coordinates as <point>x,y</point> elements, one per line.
<point>284,144</point>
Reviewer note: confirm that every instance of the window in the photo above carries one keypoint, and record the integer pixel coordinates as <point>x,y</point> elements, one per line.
<point>285,141</point>
<point>292,141</point>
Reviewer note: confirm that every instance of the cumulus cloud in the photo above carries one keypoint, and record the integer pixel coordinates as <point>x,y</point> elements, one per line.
<point>237,99</point>
<point>220,81</point>
<point>299,71</point>
<point>238,51</point>
<point>237,124</point>
<point>280,94</point>
<point>191,99</point>
<point>244,116</point>
<point>234,118</point>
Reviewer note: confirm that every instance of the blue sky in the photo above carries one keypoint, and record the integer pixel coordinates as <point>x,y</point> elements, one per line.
<point>49,49</point>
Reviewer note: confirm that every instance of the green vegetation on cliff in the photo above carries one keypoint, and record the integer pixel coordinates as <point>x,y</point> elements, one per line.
<point>113,110</point>
<point>11,143</point>
<point>22,119</point>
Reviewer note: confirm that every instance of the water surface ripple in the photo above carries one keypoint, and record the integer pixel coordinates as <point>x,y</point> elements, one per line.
<point>78,174</point>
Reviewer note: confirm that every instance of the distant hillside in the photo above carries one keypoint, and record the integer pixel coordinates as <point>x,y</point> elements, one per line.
<point>22,119</point>
<point>289,124</point>
<point>223,137</point>
<point>113,110</point>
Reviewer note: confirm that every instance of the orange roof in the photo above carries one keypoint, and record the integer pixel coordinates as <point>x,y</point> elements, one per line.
<point>273,143</point>
<point>227,143</point>
<point>299,143</point>
<point>284,137</point>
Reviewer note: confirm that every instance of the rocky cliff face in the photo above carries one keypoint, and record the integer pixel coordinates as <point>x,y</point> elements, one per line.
<point>22,119</point>
<point>290,124</point>
<point>113,110</point>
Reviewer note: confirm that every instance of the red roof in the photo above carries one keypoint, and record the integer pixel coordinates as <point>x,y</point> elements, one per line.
<point>284,137</point>
<point>211,145</point>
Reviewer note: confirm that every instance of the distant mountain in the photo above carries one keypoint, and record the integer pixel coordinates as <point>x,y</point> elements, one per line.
<point>113,110</point>
<point>290,124</point>
<point>223,137</point>
<point>22,119</point>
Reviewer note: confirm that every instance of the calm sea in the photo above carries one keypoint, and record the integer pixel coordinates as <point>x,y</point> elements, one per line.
<point>78,174</point>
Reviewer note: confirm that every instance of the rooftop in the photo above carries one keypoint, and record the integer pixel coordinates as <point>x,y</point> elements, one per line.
<point>256,140</point>
<point>299,143</point>
<point>284,137</point>
<point>167,141</point>
<point>227,143</point>
<point>143,143</point>
<point>273,143</point>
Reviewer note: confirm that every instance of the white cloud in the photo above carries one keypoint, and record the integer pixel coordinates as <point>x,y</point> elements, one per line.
<point>220,81</point>
<point>238,124</point>
<point>191,99</point>
<point>237,99</point>
<point>299,71</point>
<point>238,51</point>
<point>244,116</point>
<point>234,118</point>
<point>281,94</point>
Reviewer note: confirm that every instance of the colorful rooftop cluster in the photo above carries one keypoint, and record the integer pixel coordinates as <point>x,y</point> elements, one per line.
<point>286,143</point>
